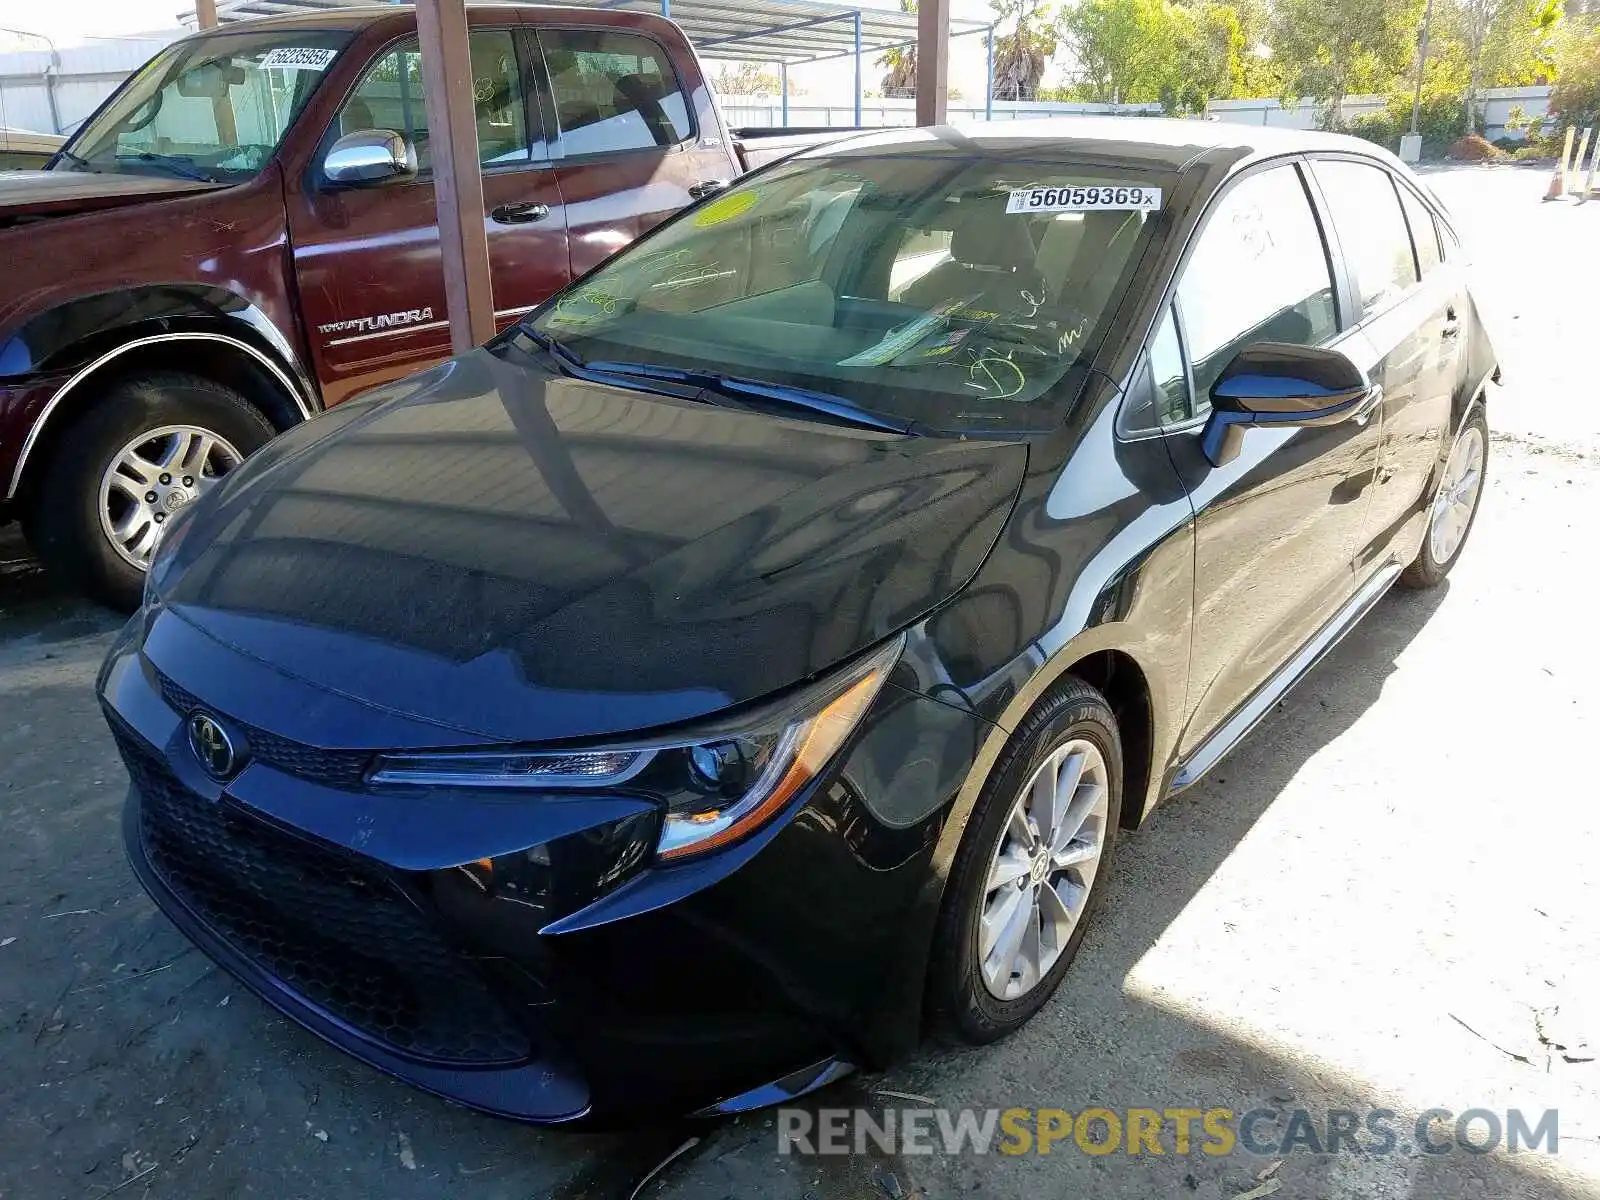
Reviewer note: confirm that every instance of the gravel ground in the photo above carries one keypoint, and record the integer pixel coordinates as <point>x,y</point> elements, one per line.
<point>1383,899</point>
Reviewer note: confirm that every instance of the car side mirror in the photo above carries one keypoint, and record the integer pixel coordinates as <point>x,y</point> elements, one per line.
<point>369,157</point>
<point>1276,383</point>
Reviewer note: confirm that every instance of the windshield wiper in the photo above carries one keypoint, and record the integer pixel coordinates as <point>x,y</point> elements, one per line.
<point>565,359</point>
<point>739,388</point>
<point>732,386</point>
<point>80,163</point>
<point>178,166</point>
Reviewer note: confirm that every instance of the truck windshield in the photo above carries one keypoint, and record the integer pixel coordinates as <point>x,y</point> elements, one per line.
<point>948,293</point>
<point>211,108</point>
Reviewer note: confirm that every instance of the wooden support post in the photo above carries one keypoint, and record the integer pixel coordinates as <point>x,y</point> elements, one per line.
<point>205,14</point>
<point>933,61</point>
<point>457,180</point>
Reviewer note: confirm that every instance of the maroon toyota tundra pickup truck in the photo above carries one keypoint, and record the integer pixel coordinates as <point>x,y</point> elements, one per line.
<point>243,235</point>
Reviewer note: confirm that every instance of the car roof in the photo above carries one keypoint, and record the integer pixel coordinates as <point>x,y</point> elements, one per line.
<point>360,16</point>
<point>1156,142</point>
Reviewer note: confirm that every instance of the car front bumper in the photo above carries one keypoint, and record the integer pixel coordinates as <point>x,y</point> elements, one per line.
<point>712,986</point>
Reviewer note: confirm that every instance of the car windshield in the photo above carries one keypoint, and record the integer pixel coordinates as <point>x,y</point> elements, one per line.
<point>953,293</point>
<point>211,108</point>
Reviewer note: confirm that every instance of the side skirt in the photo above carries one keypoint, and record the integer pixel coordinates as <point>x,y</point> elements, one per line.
<point>1245,718</point>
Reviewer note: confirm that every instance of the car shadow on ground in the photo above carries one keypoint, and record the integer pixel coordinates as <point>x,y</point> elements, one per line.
<point>1104,1043</point>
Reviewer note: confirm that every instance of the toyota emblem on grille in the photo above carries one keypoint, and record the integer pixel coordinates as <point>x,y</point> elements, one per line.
<point>211,745</point>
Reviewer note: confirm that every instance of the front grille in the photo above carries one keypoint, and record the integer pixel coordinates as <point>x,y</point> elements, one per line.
<point>327,923</point>
<point>336,768</point>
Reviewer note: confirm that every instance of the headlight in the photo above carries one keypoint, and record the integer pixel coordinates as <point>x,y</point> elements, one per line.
<point>715,786</point>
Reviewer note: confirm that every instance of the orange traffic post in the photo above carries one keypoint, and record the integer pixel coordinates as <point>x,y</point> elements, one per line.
<point>1558,181</point>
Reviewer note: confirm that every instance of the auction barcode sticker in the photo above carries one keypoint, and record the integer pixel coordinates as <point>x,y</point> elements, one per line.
<point>1113,197</point>
<point>299,58</point>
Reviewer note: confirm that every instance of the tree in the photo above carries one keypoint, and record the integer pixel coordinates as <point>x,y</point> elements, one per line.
<point>1122,49</point>
<point>1210,56</point>
<point>1020,56</point>
<point>1328,49</point>
<point>1260,72</point>
<point>748,79</point>
<point>900,77</point>
<point>1518,45</point>
<point>1576,96</point>
<point>1136,51</point>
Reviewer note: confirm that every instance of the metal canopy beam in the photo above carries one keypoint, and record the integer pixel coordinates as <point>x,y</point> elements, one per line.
<point>774,30</point>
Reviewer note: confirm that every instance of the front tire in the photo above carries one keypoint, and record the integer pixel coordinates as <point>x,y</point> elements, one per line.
<point>151,445</point>
<point>1454,507</point>
<point>1027,878</point>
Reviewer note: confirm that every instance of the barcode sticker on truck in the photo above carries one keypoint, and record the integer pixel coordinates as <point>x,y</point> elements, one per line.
<point>1104,197</point>
<point>299,58</point>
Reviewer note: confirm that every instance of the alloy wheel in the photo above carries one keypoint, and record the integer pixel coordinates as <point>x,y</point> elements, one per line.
<point>1043,869</point>
<point>154,476</point>
<point>1457,496</point>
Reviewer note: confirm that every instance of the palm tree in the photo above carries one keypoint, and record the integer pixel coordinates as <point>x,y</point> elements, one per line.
<point>900,77</point>
<point>1020,56</point>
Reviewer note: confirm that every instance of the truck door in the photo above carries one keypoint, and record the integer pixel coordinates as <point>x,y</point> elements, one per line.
<point>367,259</point>
<point>630,150</point>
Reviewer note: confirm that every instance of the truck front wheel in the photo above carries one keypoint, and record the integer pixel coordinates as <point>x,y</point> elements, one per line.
<point>151,445</point>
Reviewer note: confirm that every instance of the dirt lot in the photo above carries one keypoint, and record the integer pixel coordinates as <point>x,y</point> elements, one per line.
<point>1386,898</point>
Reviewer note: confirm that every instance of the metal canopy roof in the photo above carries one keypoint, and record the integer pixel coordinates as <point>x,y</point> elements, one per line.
<point>788,31</point>
<point>785,30</point>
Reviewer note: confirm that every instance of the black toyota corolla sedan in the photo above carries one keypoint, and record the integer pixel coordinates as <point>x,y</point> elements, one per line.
<point>747,663</point>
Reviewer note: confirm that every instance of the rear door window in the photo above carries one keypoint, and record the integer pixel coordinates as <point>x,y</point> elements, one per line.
<point>1372,230</point>
<point>1424,235</point>
<point>613,92</point>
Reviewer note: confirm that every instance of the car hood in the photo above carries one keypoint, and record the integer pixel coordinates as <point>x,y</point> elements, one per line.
<point>28,194</point>
<point>513,554</point>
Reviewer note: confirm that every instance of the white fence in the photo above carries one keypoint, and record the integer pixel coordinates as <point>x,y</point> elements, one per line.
<point>54,91</point>
<point>767,111</point>
<point>1496,104</point>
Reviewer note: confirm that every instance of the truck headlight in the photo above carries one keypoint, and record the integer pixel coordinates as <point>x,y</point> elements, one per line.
<point>716,784</point>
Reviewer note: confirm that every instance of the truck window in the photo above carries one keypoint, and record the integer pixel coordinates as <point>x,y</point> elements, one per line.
<point>213,107</point>
<point>392,96</point>
<point>613,91</point>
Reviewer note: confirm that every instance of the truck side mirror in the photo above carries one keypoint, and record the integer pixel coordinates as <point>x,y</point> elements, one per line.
<point>369,157</point>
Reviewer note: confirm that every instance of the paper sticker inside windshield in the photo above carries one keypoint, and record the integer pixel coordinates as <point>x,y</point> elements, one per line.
<point>1104,197</point>
<point>299,58</point>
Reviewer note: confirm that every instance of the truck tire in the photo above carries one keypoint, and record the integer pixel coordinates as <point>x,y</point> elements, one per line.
<point>152,444</point>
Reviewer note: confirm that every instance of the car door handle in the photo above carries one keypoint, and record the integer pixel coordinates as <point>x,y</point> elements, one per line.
<point>520,214</point>
<point>708,187</point>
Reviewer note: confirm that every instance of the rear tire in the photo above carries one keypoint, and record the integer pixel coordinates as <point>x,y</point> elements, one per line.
<point>975,994</point>
<point>1453,507</point>
<point>78,500</point>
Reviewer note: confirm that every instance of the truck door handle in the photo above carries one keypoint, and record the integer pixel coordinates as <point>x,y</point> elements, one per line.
<point>520,214</point>
<point>708,187</point>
